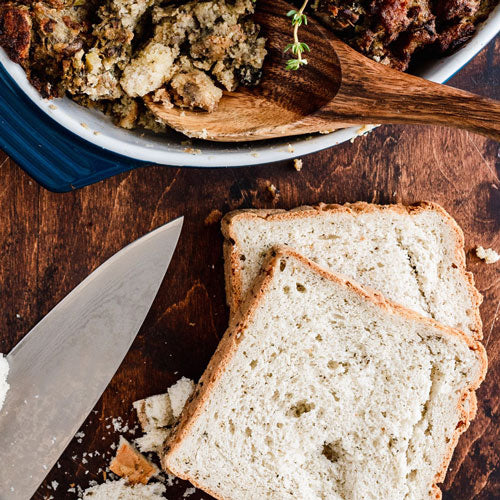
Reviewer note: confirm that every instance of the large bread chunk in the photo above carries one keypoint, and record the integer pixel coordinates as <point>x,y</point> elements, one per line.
<point>321,389</point>
<point>414,255</point>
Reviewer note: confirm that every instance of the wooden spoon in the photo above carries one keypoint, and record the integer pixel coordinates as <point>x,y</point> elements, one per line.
<point>337,88</point>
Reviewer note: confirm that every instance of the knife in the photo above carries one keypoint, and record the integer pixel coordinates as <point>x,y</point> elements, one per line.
<point>61,367</point>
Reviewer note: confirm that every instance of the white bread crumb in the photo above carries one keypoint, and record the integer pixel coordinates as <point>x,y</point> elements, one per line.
<point>153,440</point>
<point>158,413</point>
<point>119,490</point>
<point>488,255</point>
<point>179,393</point>
<point>154,412</point>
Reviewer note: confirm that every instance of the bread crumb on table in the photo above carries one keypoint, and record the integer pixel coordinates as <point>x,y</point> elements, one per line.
<point>297,164</point>
<point>122,491</point>
<point>132,465</point>
<point>157,414</point>
<point>214,216</point>
<point>275,192</point>
<point>488,255</point>
<point>364,130</point>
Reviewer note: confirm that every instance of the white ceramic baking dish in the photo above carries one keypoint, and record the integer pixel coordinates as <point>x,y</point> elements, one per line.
<point>171,149</point>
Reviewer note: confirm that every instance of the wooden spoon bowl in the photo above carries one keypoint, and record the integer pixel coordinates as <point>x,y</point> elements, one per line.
<point>337,88</point>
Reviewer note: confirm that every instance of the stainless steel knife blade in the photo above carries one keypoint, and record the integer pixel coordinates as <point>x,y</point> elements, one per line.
<point>61,367</point>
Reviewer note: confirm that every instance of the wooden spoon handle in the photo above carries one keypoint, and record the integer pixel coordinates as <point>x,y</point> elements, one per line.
<point>394,97</point>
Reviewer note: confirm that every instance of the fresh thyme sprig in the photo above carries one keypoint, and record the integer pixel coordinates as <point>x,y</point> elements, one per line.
<point>297,48</point>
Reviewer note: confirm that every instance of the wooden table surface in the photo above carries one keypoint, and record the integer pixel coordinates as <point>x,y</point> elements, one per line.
<point>50,242</point>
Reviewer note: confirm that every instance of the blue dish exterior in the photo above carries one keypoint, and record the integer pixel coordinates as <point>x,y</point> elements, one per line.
<point>55,157</point>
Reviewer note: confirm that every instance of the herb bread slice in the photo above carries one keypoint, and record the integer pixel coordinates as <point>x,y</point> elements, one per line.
<point>321,389</point>
<point>414,255</point>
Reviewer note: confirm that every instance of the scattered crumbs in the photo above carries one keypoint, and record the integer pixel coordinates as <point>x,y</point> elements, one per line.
<point>96,132</point>
<point>71,490</point>
<point>291,149</point>
<point>324,132</point>
<point>52,106</point>
<point>255,155</point>
<point>204,134</point>
<point>183,114</point>
<point>192,151</point>
<point>118,425</point>
<point>189,492</point>
<point>488,255</point>
<point>54,484</point>
<point>192,324</point>
<point>297,164</point>
<point>80,434</point>
<point>364,130</point>
<point>273,190</point>
<point>84,125</point>
<point>18,316</point>
<point>213,217</point>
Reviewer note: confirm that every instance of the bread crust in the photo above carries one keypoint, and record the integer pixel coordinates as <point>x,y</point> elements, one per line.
<point>231,248</point>
<point>233,335</point>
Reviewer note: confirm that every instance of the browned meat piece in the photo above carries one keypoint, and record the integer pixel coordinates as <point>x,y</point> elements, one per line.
<point>452,9</point>
<point>410,42</point>
<point>393,31</point>
<point>393,16</point>
<point>454,36</point>
<point>15,31</point>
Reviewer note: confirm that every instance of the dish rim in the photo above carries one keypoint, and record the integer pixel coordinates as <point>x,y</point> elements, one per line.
<point>93,127</point>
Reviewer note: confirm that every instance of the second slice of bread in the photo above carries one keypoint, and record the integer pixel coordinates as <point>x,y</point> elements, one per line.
<point>414,255</point>
<point>321,389</point>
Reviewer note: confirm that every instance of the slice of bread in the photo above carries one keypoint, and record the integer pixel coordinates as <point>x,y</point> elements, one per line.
<point>414,255</point>
<point>321,389</point>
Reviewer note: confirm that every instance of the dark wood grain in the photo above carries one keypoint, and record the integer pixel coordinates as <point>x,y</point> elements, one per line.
<point>50,242</point>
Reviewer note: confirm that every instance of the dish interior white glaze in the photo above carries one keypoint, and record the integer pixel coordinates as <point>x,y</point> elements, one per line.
<point>170,149</point>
